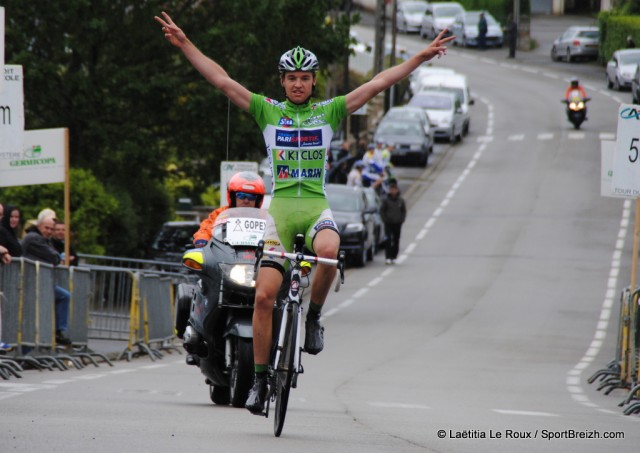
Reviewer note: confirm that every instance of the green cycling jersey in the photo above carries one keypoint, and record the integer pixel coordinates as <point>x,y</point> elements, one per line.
<point>298,138</point>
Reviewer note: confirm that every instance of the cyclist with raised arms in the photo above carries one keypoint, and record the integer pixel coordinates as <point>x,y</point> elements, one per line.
<point>297,135</point>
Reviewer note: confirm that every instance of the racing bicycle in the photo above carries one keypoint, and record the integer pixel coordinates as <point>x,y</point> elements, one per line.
<point>285,364</point>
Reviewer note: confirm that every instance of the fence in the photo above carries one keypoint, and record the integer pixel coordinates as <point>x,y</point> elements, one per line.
<point>623,371</point>
<point>134,305</point>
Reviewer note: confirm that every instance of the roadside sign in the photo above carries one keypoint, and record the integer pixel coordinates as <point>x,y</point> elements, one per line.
<point>1,45</point>
<point>626,163</point>
<point>40,161</point>
<point>607,153</point>
<point>11,113</point>
<point>227,170</point>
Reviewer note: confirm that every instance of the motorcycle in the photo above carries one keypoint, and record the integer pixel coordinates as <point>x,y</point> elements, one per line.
<point>576,108</point>
<point>214,316</point>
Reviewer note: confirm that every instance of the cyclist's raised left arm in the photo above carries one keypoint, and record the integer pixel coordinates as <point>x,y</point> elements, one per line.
<point>212,71</point>
<point>361,95</point>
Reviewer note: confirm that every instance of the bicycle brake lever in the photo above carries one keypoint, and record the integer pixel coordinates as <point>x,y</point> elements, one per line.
<point>341,261</point>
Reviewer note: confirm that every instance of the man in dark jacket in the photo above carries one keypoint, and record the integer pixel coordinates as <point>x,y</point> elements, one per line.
<point>482,32</point>
<point>36,246</point>
<point>393,212</point>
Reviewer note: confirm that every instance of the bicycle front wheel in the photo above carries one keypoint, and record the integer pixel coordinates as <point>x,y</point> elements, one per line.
<point>285,373</point>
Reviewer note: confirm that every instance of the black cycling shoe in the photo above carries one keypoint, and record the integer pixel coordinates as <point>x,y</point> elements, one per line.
<point>257,396</point>
<point>314,335</point>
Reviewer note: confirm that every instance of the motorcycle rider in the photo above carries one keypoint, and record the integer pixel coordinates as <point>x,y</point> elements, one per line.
<point>574,85</point>
<point>297,133</point>
<point>245,190</point>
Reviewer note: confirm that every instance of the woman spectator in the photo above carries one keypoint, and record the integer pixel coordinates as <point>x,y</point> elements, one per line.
<point>9,227</point>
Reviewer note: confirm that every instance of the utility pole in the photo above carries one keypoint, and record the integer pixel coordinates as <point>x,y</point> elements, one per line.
<point>378,61</point>
<point>392,60</point>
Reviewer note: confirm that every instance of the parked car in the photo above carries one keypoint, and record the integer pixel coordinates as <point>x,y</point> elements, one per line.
<point>621,68</point>
<point>417,76</point>
<point>354,217</point>
<point>576,42</point>
<point>465,28</point>
<point>437,17</point>
<point>457,84</point>
<point>409,15</point>
<point>409,138</point>
<point>635,86</point>
<point>445,113</point>
<point>172,240</point>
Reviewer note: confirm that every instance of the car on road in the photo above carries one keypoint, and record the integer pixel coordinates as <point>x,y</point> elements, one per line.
<point>635,86</point>
<point>576,42</point>
<point>378,225</point>
<point>465,29</point>
<point>408,129</point>
<point>409,15</point>
<point>457,84</point>
<point>354,216</point>
<point>437,17</point>
<point>445,113</point>
<point>172,240</point>
<point>422,72</point>
<point>621,68</point>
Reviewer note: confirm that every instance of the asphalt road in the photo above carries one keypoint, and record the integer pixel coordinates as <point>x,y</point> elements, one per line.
<point>503,303</point>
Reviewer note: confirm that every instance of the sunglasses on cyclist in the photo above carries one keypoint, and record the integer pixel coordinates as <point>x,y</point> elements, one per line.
<point>246,196</point>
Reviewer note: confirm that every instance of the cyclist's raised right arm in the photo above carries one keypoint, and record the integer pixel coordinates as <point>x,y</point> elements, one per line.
<point>211,70</point>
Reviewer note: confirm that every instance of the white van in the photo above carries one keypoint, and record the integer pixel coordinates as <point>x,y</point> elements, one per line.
<point>457,84</point>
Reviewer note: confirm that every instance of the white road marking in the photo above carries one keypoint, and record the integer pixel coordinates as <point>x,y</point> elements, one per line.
<point>527,413</point>
<point>607,136</point>
<point>516,138</point>
<point>576,135</point>
<point>545,136</point>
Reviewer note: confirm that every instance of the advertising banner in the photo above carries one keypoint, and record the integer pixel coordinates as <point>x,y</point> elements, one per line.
<point>41,161</point>
<point>11,114</point>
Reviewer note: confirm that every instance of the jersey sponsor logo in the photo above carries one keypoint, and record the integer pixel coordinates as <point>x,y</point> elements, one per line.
<point>283,171</point>
<point>300,138</point>
<point>314,120</point>
<point>285,121</point>
<point>306,154</point>
<point>323,103</point>
<point>271,242</point>
<point>271,101</point>
<point>286,172</point>
<point>327,223</point>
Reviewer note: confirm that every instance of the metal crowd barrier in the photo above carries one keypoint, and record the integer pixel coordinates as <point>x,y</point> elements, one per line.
<point>623,372</point>
<point>106,303</point>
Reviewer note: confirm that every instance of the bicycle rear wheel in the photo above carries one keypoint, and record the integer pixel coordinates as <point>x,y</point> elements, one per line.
<point>285,373</point>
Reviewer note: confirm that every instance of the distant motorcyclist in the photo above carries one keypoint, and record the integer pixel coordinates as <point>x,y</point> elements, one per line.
<point>245,190</point>
<point>574,85</point>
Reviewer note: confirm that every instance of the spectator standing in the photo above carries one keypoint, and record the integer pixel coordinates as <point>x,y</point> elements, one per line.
<point>393,211</point>
<point>354,178</point>
<point>482,32</point>
<point>9,227</point>
<point>57,240</point>
<point>630,43</point>
<point>511,30</point>
<point>36,246</point>
<point>5,258</point>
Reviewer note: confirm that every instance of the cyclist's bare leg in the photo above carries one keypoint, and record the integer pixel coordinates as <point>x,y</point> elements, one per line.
<point>267,287</point>
<point>326,244</point>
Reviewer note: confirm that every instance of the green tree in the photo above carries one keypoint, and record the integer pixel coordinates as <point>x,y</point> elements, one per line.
<point>92,207</point>
<point>136,110</point>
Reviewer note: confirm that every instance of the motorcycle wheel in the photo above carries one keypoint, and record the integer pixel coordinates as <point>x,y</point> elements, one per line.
<point>241,372</point>
<point>219,395</point>
<point>184,295</point>
<point>284,375</point>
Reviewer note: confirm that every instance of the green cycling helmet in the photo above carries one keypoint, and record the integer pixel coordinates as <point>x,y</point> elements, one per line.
<point>298,59</point>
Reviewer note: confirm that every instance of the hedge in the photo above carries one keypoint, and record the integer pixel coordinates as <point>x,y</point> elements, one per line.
<point>499,9</point>
<point>614,30</point>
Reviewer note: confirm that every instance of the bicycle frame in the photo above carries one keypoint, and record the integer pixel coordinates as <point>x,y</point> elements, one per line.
<point>284,377</point>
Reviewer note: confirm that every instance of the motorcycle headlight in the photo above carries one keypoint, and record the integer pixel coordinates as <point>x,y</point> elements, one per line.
<point>580,105</point>
<point>354,227</point>
<point>242,274</point>
<point>572,105</point>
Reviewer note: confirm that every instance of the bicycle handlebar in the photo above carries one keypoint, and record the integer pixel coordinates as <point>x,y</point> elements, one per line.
<point>298,257</point>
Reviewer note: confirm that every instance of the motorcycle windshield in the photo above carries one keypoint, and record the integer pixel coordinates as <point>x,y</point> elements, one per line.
<point>240,226</point>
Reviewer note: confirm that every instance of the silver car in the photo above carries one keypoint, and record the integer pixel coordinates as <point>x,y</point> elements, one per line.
<point>465,28</point>
<point>409,15</point>
<point>576,42</point>
<point>621,68</point>
<point>445,113</point>
<point>437,17</point>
